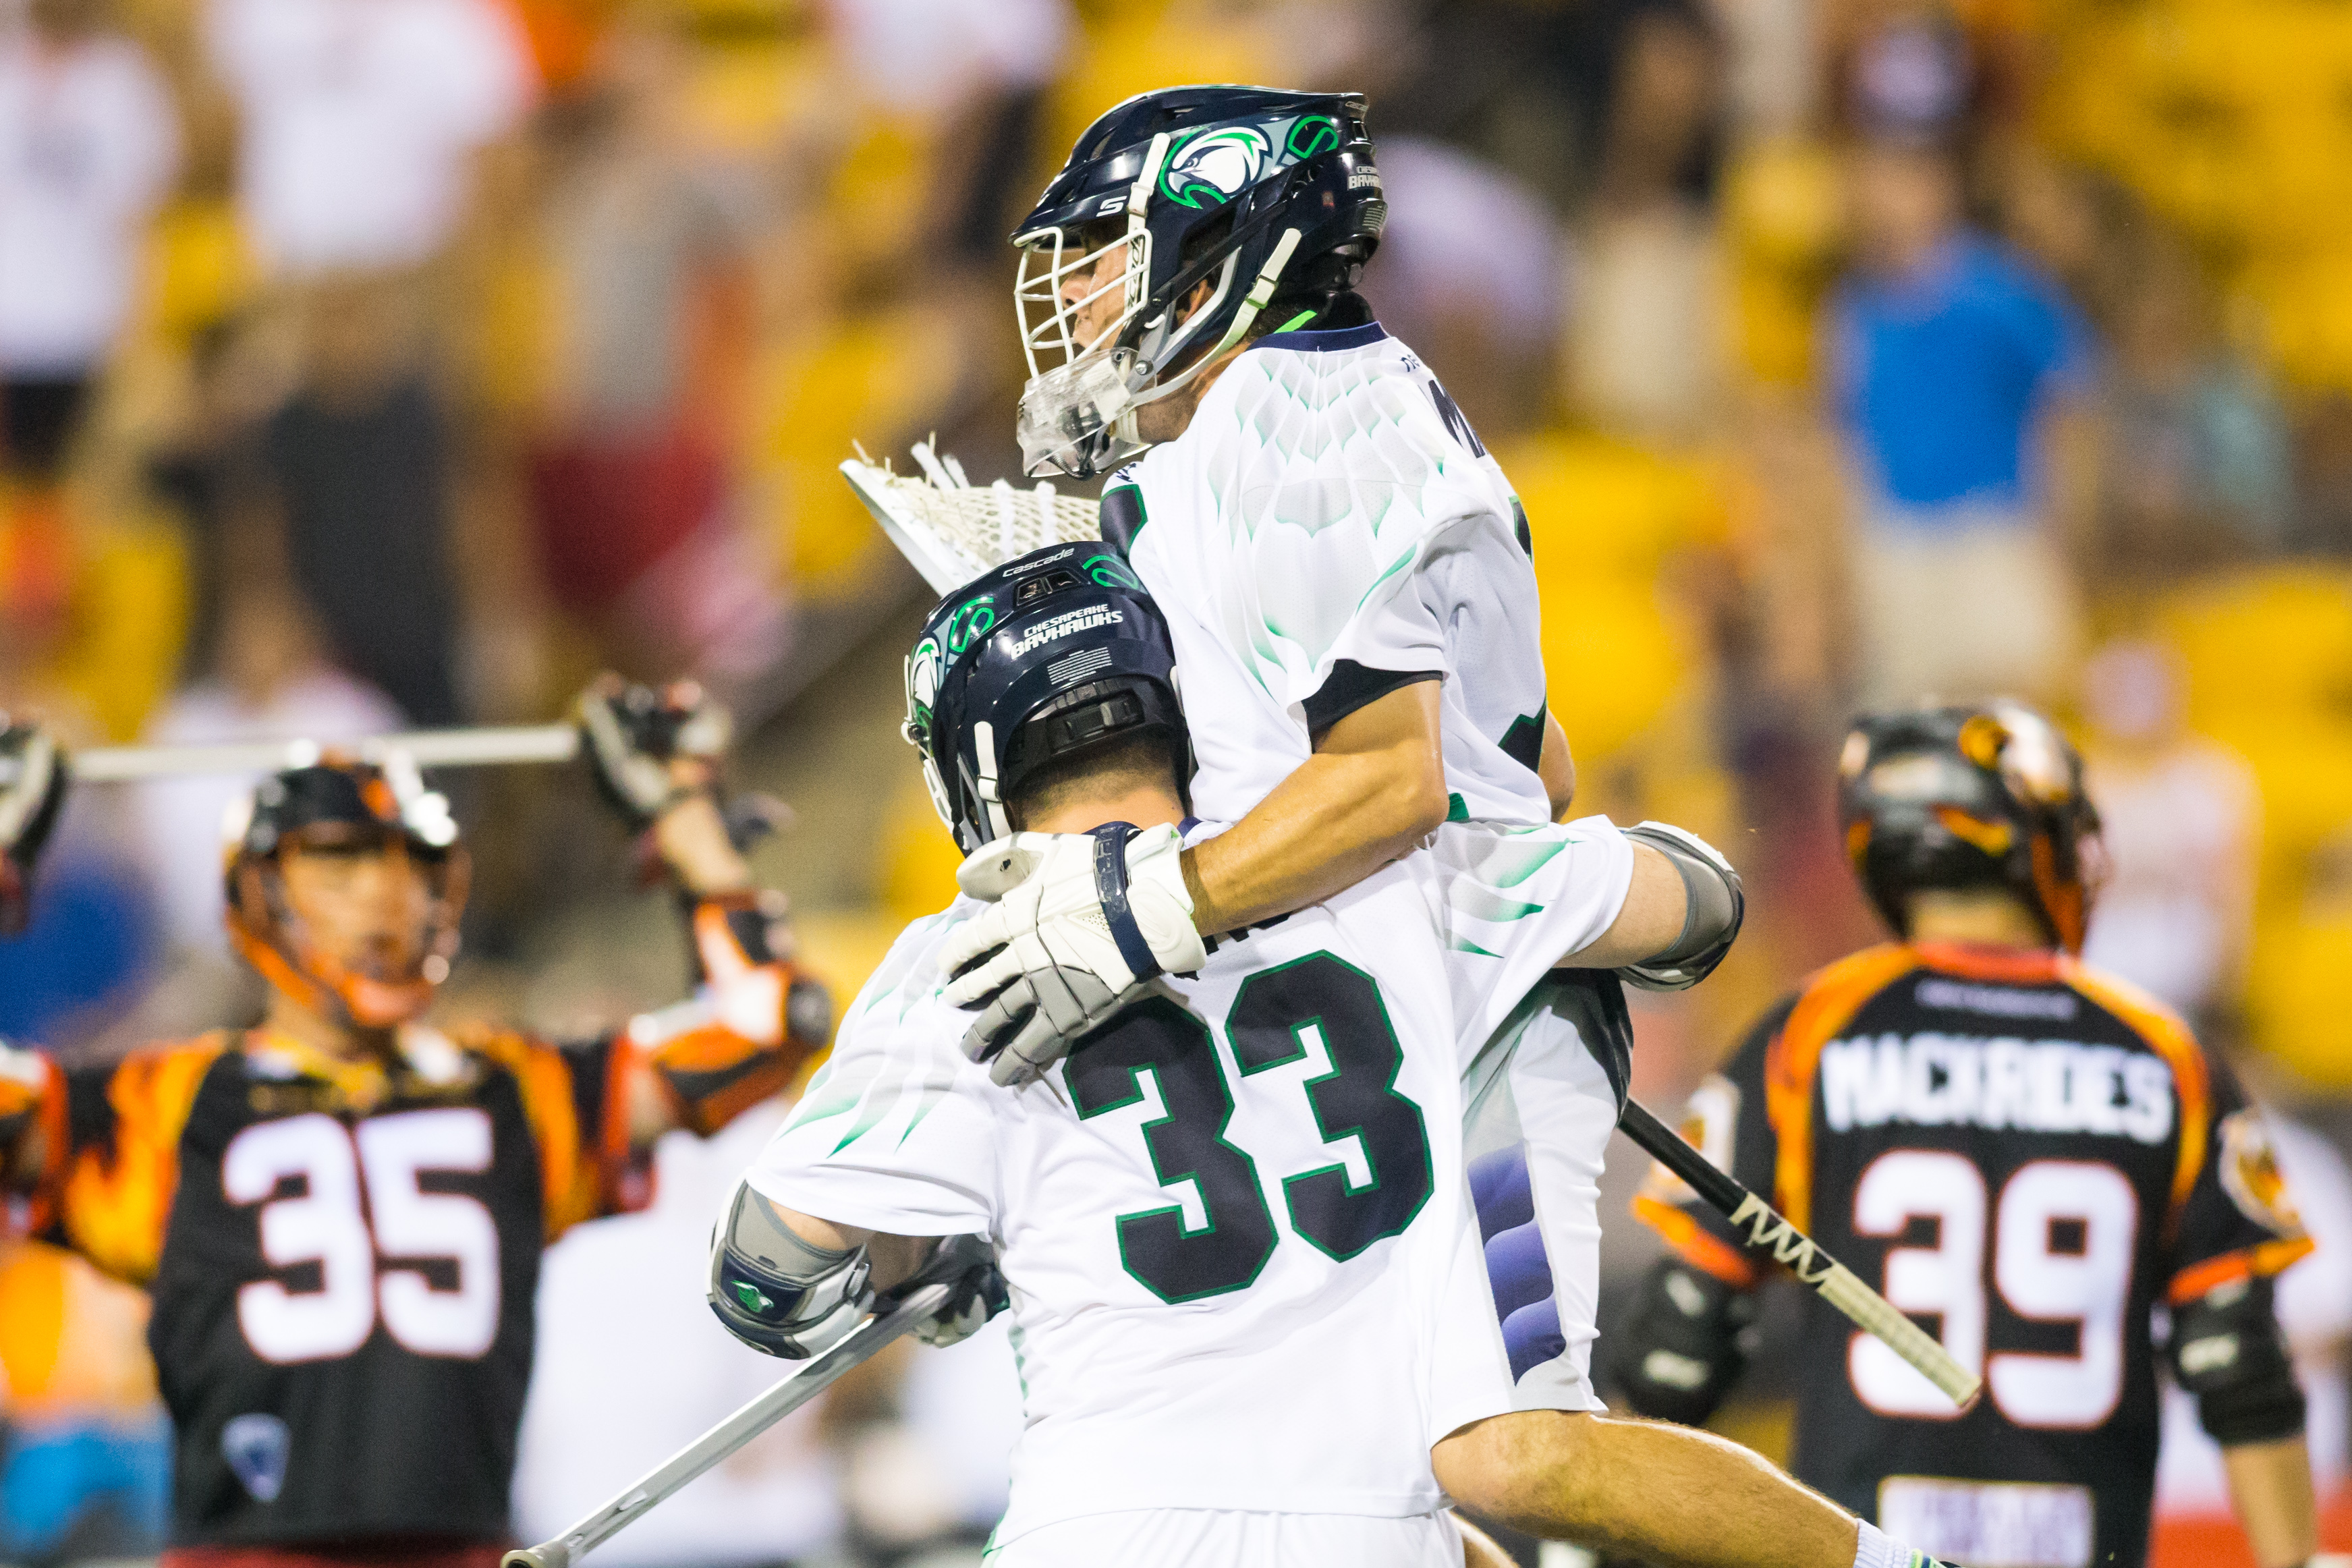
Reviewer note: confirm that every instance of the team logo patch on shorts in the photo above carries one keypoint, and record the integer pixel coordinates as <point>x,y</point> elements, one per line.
<point>256,1446</point>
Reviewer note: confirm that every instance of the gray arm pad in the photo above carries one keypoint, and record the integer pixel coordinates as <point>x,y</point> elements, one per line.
<point>1714,907</point>
<point>777,1293</point>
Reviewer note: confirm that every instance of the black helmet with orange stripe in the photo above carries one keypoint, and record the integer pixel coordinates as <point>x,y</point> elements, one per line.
<point>1966,795</point>
<point>340,807</point>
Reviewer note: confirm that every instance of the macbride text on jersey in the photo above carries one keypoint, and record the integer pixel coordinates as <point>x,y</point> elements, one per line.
<point>1931,1080</point>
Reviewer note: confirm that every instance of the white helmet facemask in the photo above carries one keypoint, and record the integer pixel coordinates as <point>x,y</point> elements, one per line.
<point>1077,410</point>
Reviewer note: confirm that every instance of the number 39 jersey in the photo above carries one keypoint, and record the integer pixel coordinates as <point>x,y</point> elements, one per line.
<point>1233,1222</point>
<point>2027,1156</point>
<point>343,1258</point>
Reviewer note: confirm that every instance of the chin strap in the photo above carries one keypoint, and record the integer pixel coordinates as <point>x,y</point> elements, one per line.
<point>1260,295</point>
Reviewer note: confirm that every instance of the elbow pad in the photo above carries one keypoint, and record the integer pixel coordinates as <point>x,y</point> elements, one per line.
<point>777,1293</point>
<point>2226,1351</point>
<point>1712,908</point>
<point>1679,1352</point>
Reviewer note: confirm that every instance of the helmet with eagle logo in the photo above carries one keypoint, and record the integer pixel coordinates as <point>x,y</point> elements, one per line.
<point>1269,198</point>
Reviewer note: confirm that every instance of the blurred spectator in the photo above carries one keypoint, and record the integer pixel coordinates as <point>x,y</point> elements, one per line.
<point>90,944</point>
<point>1647,342</point>
<point>1468,272</point>
<point>2181,825</point>
<point>357,467</point>
<point>271,682</point>
<point>359,121</point>
<point>1951,364</point>
<point>2323,476</point>
<point>2201,472</point>
<point>631,489</point>
<point>88,143</point>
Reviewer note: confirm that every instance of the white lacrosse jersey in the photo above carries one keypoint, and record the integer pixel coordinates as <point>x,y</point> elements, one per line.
<point>1327,524</point>
<point>1244,1273</point>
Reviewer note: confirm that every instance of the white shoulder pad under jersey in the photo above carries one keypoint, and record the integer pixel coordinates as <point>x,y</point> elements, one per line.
<point>1328,523</point>
<point>1243,1267</point>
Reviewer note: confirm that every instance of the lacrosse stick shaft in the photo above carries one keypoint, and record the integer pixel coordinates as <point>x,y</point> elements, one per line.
<point>426,748</point>
<point>805,1384</point>
<point>1766,1231</point>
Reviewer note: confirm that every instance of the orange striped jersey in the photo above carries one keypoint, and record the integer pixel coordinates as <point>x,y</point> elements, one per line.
<point>2027,1156</point>
<point>342,1258</point>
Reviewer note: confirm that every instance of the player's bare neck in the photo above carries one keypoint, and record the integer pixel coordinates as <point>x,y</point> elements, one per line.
<point>1975,917</point>
<point>329,1036</point>
<point>1167,419</point>
<point>1145,805</point>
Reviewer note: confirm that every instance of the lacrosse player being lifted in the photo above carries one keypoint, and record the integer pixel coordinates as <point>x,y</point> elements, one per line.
<point>1246,1284</point>
<point>340,1212</point>
<point>1346,583</point>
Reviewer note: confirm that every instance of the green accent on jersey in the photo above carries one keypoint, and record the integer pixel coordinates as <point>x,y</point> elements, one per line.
<point>1463,945</point>
<point>754,1299</point>
<point>1298,321</point>
<point>1507,865</point>
<point>932,1094</point>
<point>1485,904</point>
<point>1523,741</point>
<point>1456,809</point>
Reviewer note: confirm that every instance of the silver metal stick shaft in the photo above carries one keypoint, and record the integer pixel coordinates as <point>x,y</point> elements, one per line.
<point>716,1445</point>
<point>426,748</point>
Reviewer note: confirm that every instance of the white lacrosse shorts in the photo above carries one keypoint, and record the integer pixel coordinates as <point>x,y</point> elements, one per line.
<point>1197,1537</point>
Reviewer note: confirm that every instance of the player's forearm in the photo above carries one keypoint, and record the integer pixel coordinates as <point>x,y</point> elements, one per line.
<point>1326,828</point>
<point>1374,788</point>
<point>893,1258</point>
<point>1648,921</point>
<point>2270,1484</point>
<point>1626,1487</point>
<point>693,841</point>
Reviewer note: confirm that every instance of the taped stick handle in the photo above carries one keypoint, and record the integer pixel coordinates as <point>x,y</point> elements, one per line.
<point>1767,1231</point>
<point>426,748</point>
<point>805,1384</point>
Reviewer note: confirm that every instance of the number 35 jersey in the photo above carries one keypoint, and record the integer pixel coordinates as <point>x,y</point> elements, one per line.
<point>2027,1156</point>
<point>1233,1222</point>
<point>342,1258</point>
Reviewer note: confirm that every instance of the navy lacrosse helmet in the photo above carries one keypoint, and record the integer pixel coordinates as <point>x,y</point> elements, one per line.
<point>1970,796</point>
<point>1039,661</point>
<point>1270,197</point>
<point>339,804</point>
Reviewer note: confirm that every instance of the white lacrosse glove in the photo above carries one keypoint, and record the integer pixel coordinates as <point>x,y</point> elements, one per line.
<point>1082,921</point>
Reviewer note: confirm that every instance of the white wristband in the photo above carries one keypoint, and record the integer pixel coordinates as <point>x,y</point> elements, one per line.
<point>1873,1548</point>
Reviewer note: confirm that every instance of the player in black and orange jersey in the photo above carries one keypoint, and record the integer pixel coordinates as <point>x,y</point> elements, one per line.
<point>339,1213</point>
<point>2027,1155</point>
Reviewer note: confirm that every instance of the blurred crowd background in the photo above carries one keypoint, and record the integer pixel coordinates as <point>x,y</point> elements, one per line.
<point>378,362</point>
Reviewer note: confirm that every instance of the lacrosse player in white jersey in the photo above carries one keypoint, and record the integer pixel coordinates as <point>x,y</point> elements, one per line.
<point>1248,1288</point>
<point>1347,578</point>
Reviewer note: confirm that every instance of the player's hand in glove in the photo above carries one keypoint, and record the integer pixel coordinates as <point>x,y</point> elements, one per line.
<point>1082,921</point>
<point>33,776</point>
<point>971,1264</point>
<point>651,747</point>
